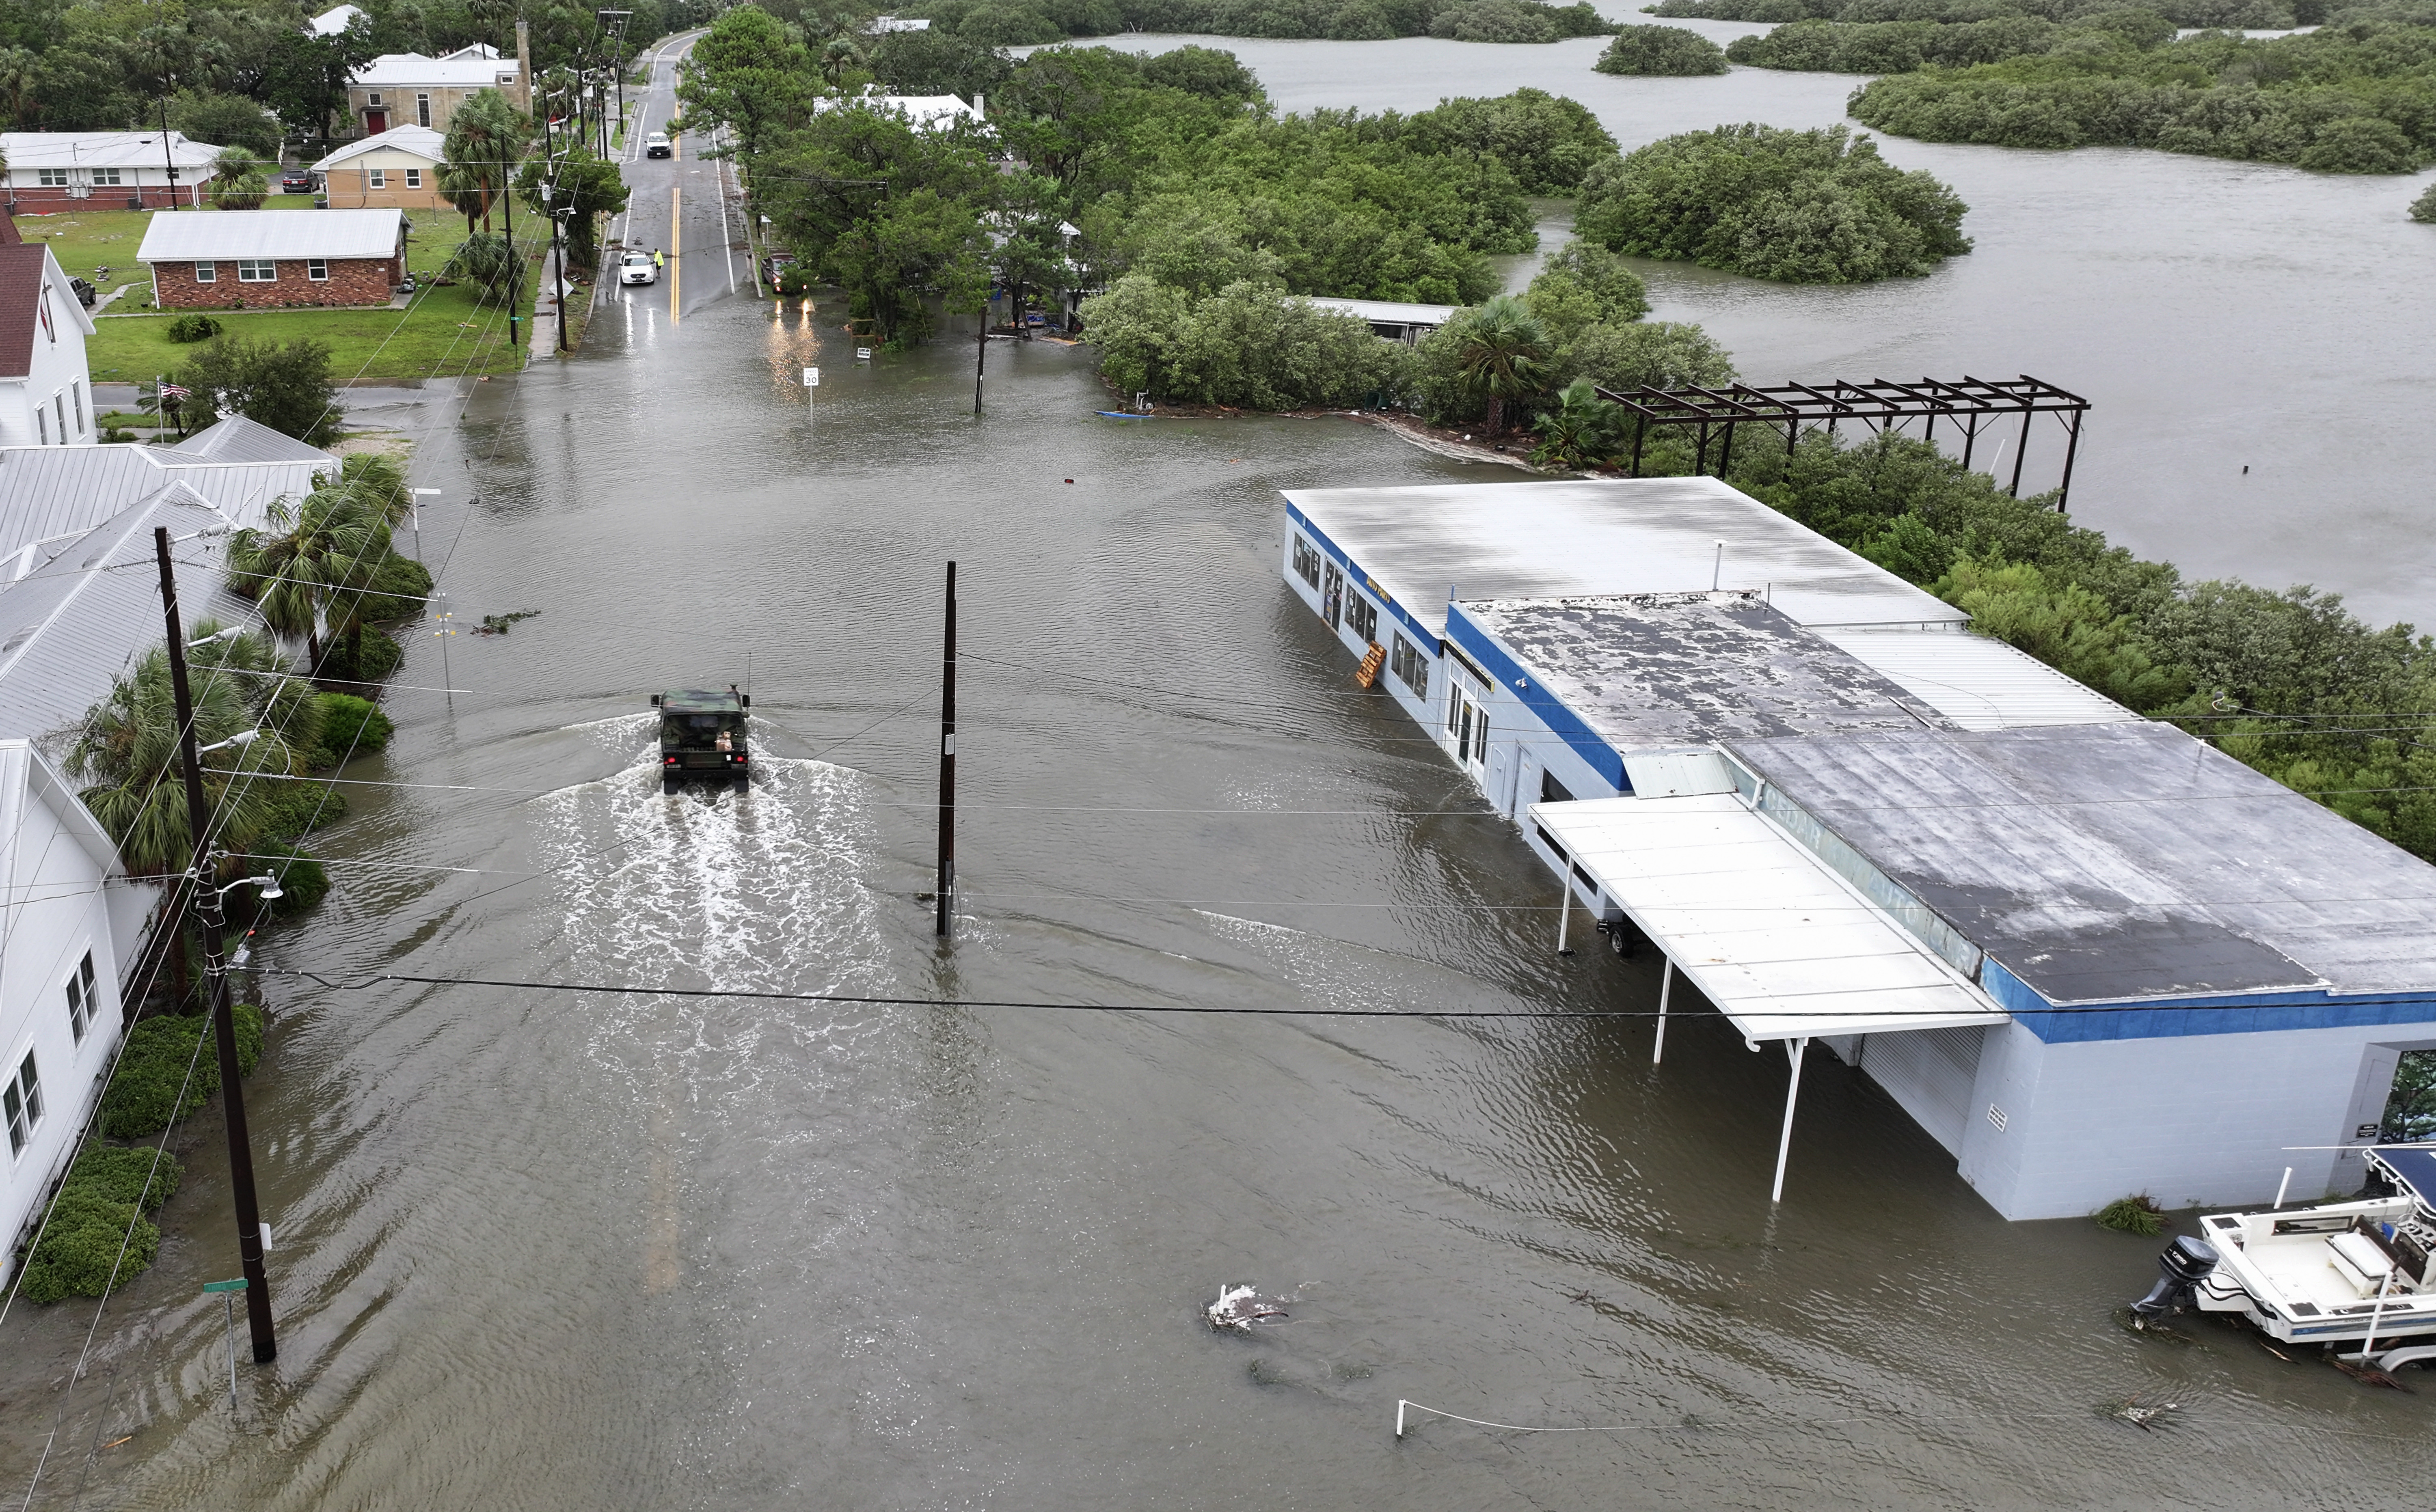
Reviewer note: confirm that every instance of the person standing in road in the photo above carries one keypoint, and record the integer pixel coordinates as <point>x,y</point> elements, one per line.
<point>659,262</point>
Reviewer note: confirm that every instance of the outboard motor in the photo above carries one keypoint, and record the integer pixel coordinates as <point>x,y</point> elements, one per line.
<point>2185,1263</point>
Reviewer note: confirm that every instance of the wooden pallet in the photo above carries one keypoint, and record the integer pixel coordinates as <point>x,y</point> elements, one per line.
<point>1369,676</point>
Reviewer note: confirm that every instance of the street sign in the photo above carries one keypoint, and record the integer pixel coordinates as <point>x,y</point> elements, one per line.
<point>812,377</point>
<point>862,354</point>
<point>237,1285</point>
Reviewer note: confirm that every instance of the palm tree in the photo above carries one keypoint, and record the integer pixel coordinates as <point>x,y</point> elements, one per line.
<point>19,71</point>
<point>840,55</point>
<point>237,181</point>
<point>127,756</point>
<point>1503,354</point>
<point>316,559</point>
<point>379,482</point>
<point>486,139</point>
<point>1580,431</point>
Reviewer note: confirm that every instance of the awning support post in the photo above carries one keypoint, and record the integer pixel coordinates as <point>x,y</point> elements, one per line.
<point>1665,986</point>
<point>1565,912</point>
<point>1784,1143</point>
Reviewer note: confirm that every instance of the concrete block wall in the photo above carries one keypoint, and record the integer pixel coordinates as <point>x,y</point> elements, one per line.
<point>2191,1119</point>
<point>352,281</point>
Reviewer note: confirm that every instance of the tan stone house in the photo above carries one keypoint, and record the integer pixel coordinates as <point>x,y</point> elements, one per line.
<point>273,259</point>
<point>407,88</point>
<point>399,168</point>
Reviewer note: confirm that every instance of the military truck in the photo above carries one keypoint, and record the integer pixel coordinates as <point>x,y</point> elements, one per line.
<point>702,737</point>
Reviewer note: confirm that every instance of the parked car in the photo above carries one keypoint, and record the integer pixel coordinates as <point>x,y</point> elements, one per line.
<point>658,145</point>
<point>636,268</point>
<point>771,264</point>
<point>300,181</point>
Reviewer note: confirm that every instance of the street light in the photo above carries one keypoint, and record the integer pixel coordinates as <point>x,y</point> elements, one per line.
<point>271,890</point>
<point>242,738</point>
<point>231,632</point>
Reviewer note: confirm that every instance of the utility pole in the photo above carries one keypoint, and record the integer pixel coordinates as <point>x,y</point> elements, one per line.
<point>207,911</point>
<point>617,59</point>
<point>549,205</point>
<point>980,357</point>
<point>946,894</point>
<point>516,262</point>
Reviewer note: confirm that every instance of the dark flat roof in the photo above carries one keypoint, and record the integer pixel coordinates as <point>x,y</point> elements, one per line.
<point>2107,861</point>
<point>1698,668</point>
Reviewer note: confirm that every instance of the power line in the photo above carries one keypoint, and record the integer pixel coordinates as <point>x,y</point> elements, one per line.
<point>866,999</point>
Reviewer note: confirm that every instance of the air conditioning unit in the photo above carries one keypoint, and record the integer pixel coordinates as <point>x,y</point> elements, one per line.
<point>79,191</point>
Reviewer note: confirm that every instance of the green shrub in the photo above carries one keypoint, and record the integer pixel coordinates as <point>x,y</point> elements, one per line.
<point>192,327</point>
<point>89,1242</point>
<point>2424,208</point>
<point>366,657</point>
<point>143,1096</point>
<point>351,726</point>
<point>121,1174</point>
<point>293,809</point>
<point>794,281</point>
<point>1661,52</point>
<point>1799,207</point>
<point>302,880</point>
<point>2138,1215</point>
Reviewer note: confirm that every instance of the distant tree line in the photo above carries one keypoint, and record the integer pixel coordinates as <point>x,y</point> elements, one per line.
<point>1904,47</point>
<point>2357,97</point>
<point>2252,14</point>
<point>1018,23</point>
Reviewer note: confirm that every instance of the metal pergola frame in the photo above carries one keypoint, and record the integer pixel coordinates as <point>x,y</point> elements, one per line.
<point>1879,404</point>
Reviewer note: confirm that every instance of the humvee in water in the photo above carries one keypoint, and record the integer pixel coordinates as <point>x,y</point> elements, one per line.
<point>702,737</point>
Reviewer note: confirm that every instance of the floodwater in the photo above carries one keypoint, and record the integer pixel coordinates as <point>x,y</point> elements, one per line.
<point>546,1250</point>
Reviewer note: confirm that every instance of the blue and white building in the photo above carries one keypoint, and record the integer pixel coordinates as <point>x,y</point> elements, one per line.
<point>2089,954</point>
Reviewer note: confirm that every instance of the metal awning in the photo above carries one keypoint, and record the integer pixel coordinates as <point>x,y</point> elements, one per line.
<point>1783,947</point>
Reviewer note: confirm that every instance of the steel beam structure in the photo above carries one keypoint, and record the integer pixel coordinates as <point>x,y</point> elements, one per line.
<point>1878,405</point>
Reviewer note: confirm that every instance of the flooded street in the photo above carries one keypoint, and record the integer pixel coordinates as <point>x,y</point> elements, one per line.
<point>560,1248</point>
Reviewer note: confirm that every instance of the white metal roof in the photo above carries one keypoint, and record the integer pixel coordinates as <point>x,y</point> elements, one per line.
<point>1390,312</point>
<point>1547,540</point>
<point>410,70</point>
<point>922,110</point>
<point>50,495</point>
<point>101,149</point>
<point>1777,942</point>
<point>1976,681</point>
<point>331,23</point>
<point>274,234</point>
<point>421,141</point>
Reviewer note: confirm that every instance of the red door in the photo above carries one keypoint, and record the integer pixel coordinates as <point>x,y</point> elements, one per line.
<point>375,122</point>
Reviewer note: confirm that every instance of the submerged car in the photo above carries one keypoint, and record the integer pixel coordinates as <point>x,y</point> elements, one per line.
<point>658,145</point>
<point>636,268</point>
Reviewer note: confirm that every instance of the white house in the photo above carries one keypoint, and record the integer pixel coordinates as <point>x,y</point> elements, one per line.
<point>399,168</point>
<point>71,922</point>
<point>928,112</point>
<point>45,393</point>
<point>110,170</point>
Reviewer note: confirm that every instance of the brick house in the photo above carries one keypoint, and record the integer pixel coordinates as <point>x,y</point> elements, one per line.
<point>102,170</point>
<point>271,259</point>
<point>401,167</point>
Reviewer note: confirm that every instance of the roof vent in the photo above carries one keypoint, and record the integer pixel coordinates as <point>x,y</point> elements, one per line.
<point>16,641</point>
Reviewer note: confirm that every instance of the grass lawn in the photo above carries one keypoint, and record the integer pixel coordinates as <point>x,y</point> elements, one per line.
<point>444,334</point>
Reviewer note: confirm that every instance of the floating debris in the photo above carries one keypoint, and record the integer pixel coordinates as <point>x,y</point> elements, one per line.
<point>2143,1415</point>
<point>2131,1322</point>
<point>1237,1308</point>
<point>2367,1375</point>
<point>498,624</point>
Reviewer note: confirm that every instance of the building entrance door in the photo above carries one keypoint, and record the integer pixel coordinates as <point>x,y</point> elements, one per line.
<point>1332,597</point>
<point>375,122</point>
<point>1468,723</point>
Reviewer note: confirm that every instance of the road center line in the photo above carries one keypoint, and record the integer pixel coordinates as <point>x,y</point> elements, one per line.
<point>676,247</point>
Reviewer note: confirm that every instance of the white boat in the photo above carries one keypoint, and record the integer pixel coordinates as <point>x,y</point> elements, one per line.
<point>2361,1273</point>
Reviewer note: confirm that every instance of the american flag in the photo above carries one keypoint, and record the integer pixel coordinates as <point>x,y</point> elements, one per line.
<point>171,390</point>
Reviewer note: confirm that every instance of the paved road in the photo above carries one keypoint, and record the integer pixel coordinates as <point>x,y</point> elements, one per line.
<point>684,206</point>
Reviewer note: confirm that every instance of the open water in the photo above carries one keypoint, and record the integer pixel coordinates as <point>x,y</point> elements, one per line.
<point>574,1250</point>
